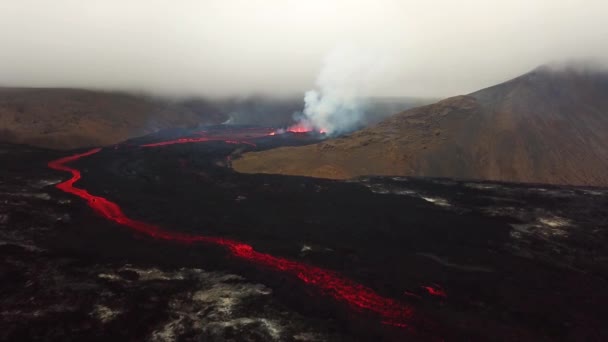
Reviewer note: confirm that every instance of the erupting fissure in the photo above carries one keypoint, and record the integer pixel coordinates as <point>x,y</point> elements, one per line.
<point>300,127</point>
<point>357,296</point>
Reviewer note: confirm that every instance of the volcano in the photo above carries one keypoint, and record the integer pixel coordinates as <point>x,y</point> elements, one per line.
<point>547,126</point>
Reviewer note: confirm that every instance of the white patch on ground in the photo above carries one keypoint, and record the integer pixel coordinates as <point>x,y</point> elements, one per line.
<point>154,274</point>
<point>522,231</point>
<point>37,195</point>
<point>305,249</point>
<point>545,227</point>
<point>554,226</point>
<point>43,183</point>
<point>523,228</point>
<point>514,234</point>
<point>104,313</point>
<point>437,201</point>
<point>109,276</point>
<point>169,332</point>
<point>272,328</point>
<point>224,296</point>
<point>381,189</point>
<point>594,192</point>
<point>554,221</point>
<point>378,189</point>
<point>405,192</point>
<point>215,309</point>
<point>42,196</point>
<point>554,192</point>
<point>481,186</point>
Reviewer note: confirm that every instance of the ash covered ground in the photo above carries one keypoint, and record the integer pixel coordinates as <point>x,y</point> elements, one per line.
<point>469,260</point>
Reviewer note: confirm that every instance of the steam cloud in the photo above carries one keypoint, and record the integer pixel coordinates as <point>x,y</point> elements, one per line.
<point>337,105</point>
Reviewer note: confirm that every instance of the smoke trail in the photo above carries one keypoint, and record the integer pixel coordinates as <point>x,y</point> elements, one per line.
<point>337,105</point>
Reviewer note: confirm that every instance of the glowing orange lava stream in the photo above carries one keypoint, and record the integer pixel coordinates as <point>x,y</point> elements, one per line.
<point>342,289</point>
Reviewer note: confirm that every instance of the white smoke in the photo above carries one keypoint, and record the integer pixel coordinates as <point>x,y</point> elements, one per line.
<point>338,103</point>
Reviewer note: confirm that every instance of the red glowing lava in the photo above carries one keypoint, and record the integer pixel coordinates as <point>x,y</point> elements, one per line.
<point>357,296</point>
<point>301,127</point>
<point>435,291</point>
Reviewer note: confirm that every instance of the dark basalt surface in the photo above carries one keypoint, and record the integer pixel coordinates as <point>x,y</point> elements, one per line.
<point>474,260</point>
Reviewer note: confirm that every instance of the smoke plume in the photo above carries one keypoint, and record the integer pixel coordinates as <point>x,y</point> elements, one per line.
<point>338,103</point>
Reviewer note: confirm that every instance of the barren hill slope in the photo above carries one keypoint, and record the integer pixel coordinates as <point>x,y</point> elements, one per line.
<point>546,126</point>
<point>70,118</point>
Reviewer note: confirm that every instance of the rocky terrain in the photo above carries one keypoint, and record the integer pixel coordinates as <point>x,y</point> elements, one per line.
<point>547,126</point>
<point>140,252</point>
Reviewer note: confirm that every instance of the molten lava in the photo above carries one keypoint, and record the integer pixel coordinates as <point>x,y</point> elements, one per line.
<point>357,296</point>
<point>435,291</point>
<point>298,128</point>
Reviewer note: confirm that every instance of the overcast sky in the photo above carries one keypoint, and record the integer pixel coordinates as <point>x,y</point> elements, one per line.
<point>240,47</point>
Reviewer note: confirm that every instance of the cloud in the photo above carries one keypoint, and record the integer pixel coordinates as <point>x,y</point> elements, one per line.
<point>240,47</point>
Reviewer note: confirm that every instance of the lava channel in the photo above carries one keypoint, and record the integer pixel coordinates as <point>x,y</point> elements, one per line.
<point>195,140</point>
<point>358,297</point>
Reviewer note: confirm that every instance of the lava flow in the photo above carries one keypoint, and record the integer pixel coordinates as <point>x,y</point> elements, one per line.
<point>436,290</point>
<point>194,140</point>
<point>357,296</point>
<point>299,128</point>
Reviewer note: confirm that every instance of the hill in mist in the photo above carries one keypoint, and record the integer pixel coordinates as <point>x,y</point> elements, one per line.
<point>73,118</point>
<point>548,126</point>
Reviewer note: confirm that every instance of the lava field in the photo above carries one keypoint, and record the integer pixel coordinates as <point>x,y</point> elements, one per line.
<point>158,239</point>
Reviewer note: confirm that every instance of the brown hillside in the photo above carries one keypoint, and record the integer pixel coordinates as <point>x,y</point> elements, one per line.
<point>545,126</point>
<point>70,118</point>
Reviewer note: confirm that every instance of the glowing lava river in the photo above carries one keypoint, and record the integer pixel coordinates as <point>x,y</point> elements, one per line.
<point>358,297</point>
<point>158,238</point>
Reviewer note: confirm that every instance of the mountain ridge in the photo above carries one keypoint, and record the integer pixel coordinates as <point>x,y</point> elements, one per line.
<point>66,118</point>
<point>545,126</point>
